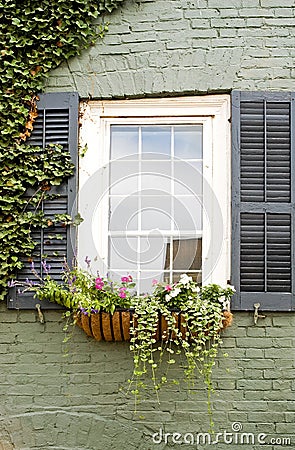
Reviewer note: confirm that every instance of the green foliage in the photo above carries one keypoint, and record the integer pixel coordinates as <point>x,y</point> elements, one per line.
<point>35,38</point>
<point>192,330</point>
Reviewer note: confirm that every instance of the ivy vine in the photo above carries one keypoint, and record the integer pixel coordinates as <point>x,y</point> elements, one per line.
<point>36,37</point>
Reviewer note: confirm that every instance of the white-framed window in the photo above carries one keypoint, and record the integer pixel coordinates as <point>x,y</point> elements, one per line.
<point>154,188</point>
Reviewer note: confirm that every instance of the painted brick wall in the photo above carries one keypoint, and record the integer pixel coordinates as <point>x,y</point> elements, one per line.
<point>68,397</point>
<point>187,46</point>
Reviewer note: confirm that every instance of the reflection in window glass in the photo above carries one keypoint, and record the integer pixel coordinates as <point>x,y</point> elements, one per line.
<point>188,141</point>
<point>124,141</point>
<point>156,139</point>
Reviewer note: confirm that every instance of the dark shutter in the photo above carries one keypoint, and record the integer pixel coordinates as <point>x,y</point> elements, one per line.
<point>262,200</point>
<point>57,122</point>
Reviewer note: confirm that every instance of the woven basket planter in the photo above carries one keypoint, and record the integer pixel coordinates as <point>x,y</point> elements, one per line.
<point>109,327</point>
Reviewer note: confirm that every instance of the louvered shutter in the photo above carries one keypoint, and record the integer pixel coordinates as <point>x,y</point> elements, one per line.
<point>262,200</point>
<point>57,123</point>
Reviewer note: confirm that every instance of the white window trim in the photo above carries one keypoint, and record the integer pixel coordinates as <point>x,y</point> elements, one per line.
<point>213,111</point>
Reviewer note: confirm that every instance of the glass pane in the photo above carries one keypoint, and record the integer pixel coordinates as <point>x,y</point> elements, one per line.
<point>188,178</point>
<point>123,213</point>
<point>123,253</point>
<point>124,178</point>
<point>156,213</point>
<point>187,213</point>
<point>188,141</point>
<point>187,254</point>
<point>156,175</point>
<point>156,140</point>
<point>152,252</point>
<point>124,141</point>
<point>147,279</point>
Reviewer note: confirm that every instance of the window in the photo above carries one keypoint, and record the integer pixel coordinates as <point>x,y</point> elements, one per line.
<point>155,184</point>
<point>154,188</point>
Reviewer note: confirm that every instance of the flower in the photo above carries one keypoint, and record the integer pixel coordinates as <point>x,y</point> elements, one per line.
<point>99,284</point>
<point>154,282</point>
<point>175,292</point>
<point>185,279</point>
<point>168,288</point>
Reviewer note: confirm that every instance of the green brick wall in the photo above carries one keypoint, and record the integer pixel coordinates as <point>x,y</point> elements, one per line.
<point>68,396</point>
<point>71,396</point>
<point>187,46</point>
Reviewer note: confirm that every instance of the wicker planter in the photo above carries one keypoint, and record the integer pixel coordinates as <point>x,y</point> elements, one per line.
<point>108,327</point>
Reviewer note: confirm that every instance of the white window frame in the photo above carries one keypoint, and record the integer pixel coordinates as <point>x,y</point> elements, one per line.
<point>213,112</point>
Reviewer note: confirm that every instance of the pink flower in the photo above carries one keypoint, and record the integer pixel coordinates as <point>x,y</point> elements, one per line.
<point>122,294</point>
<point>130,279</point>
<point>168,288</point>
<point>125,279</point>
<point>98,280</point>
<point>154,282</point>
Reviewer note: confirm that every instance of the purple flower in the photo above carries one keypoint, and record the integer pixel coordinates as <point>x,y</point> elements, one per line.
<point>88,261</point>
<point>46,267</point>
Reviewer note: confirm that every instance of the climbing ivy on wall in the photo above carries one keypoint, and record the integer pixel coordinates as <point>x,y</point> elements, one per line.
<point>36,37</point>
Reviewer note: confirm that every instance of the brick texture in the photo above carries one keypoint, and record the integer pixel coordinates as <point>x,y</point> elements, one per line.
<point>172,47</point>
<point>72,396</point>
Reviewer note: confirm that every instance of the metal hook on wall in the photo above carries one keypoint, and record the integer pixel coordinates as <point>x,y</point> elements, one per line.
<point>256,313</point>
<point>40,314</point>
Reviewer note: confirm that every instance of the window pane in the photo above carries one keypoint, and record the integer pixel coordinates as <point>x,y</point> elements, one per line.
<point>124,141</point>
<point>156,213</point>
<point>156,140</point>
<point>124,178</point>
<point>187,213</point>
<point>153,252</point>
<point>123,213</point>
<point>188,141</point>
<point>188,177</point>
<point>187,254</point>
<point>156,175</point>
<point>123,253</point>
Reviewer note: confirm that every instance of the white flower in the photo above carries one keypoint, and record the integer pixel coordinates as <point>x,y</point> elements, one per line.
<point>196,289</point>
<point>185,279</point>
<point>167,297</point>
<point>175,292</point>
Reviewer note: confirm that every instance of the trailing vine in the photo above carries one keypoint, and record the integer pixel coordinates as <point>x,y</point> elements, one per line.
<point>36,37</point>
